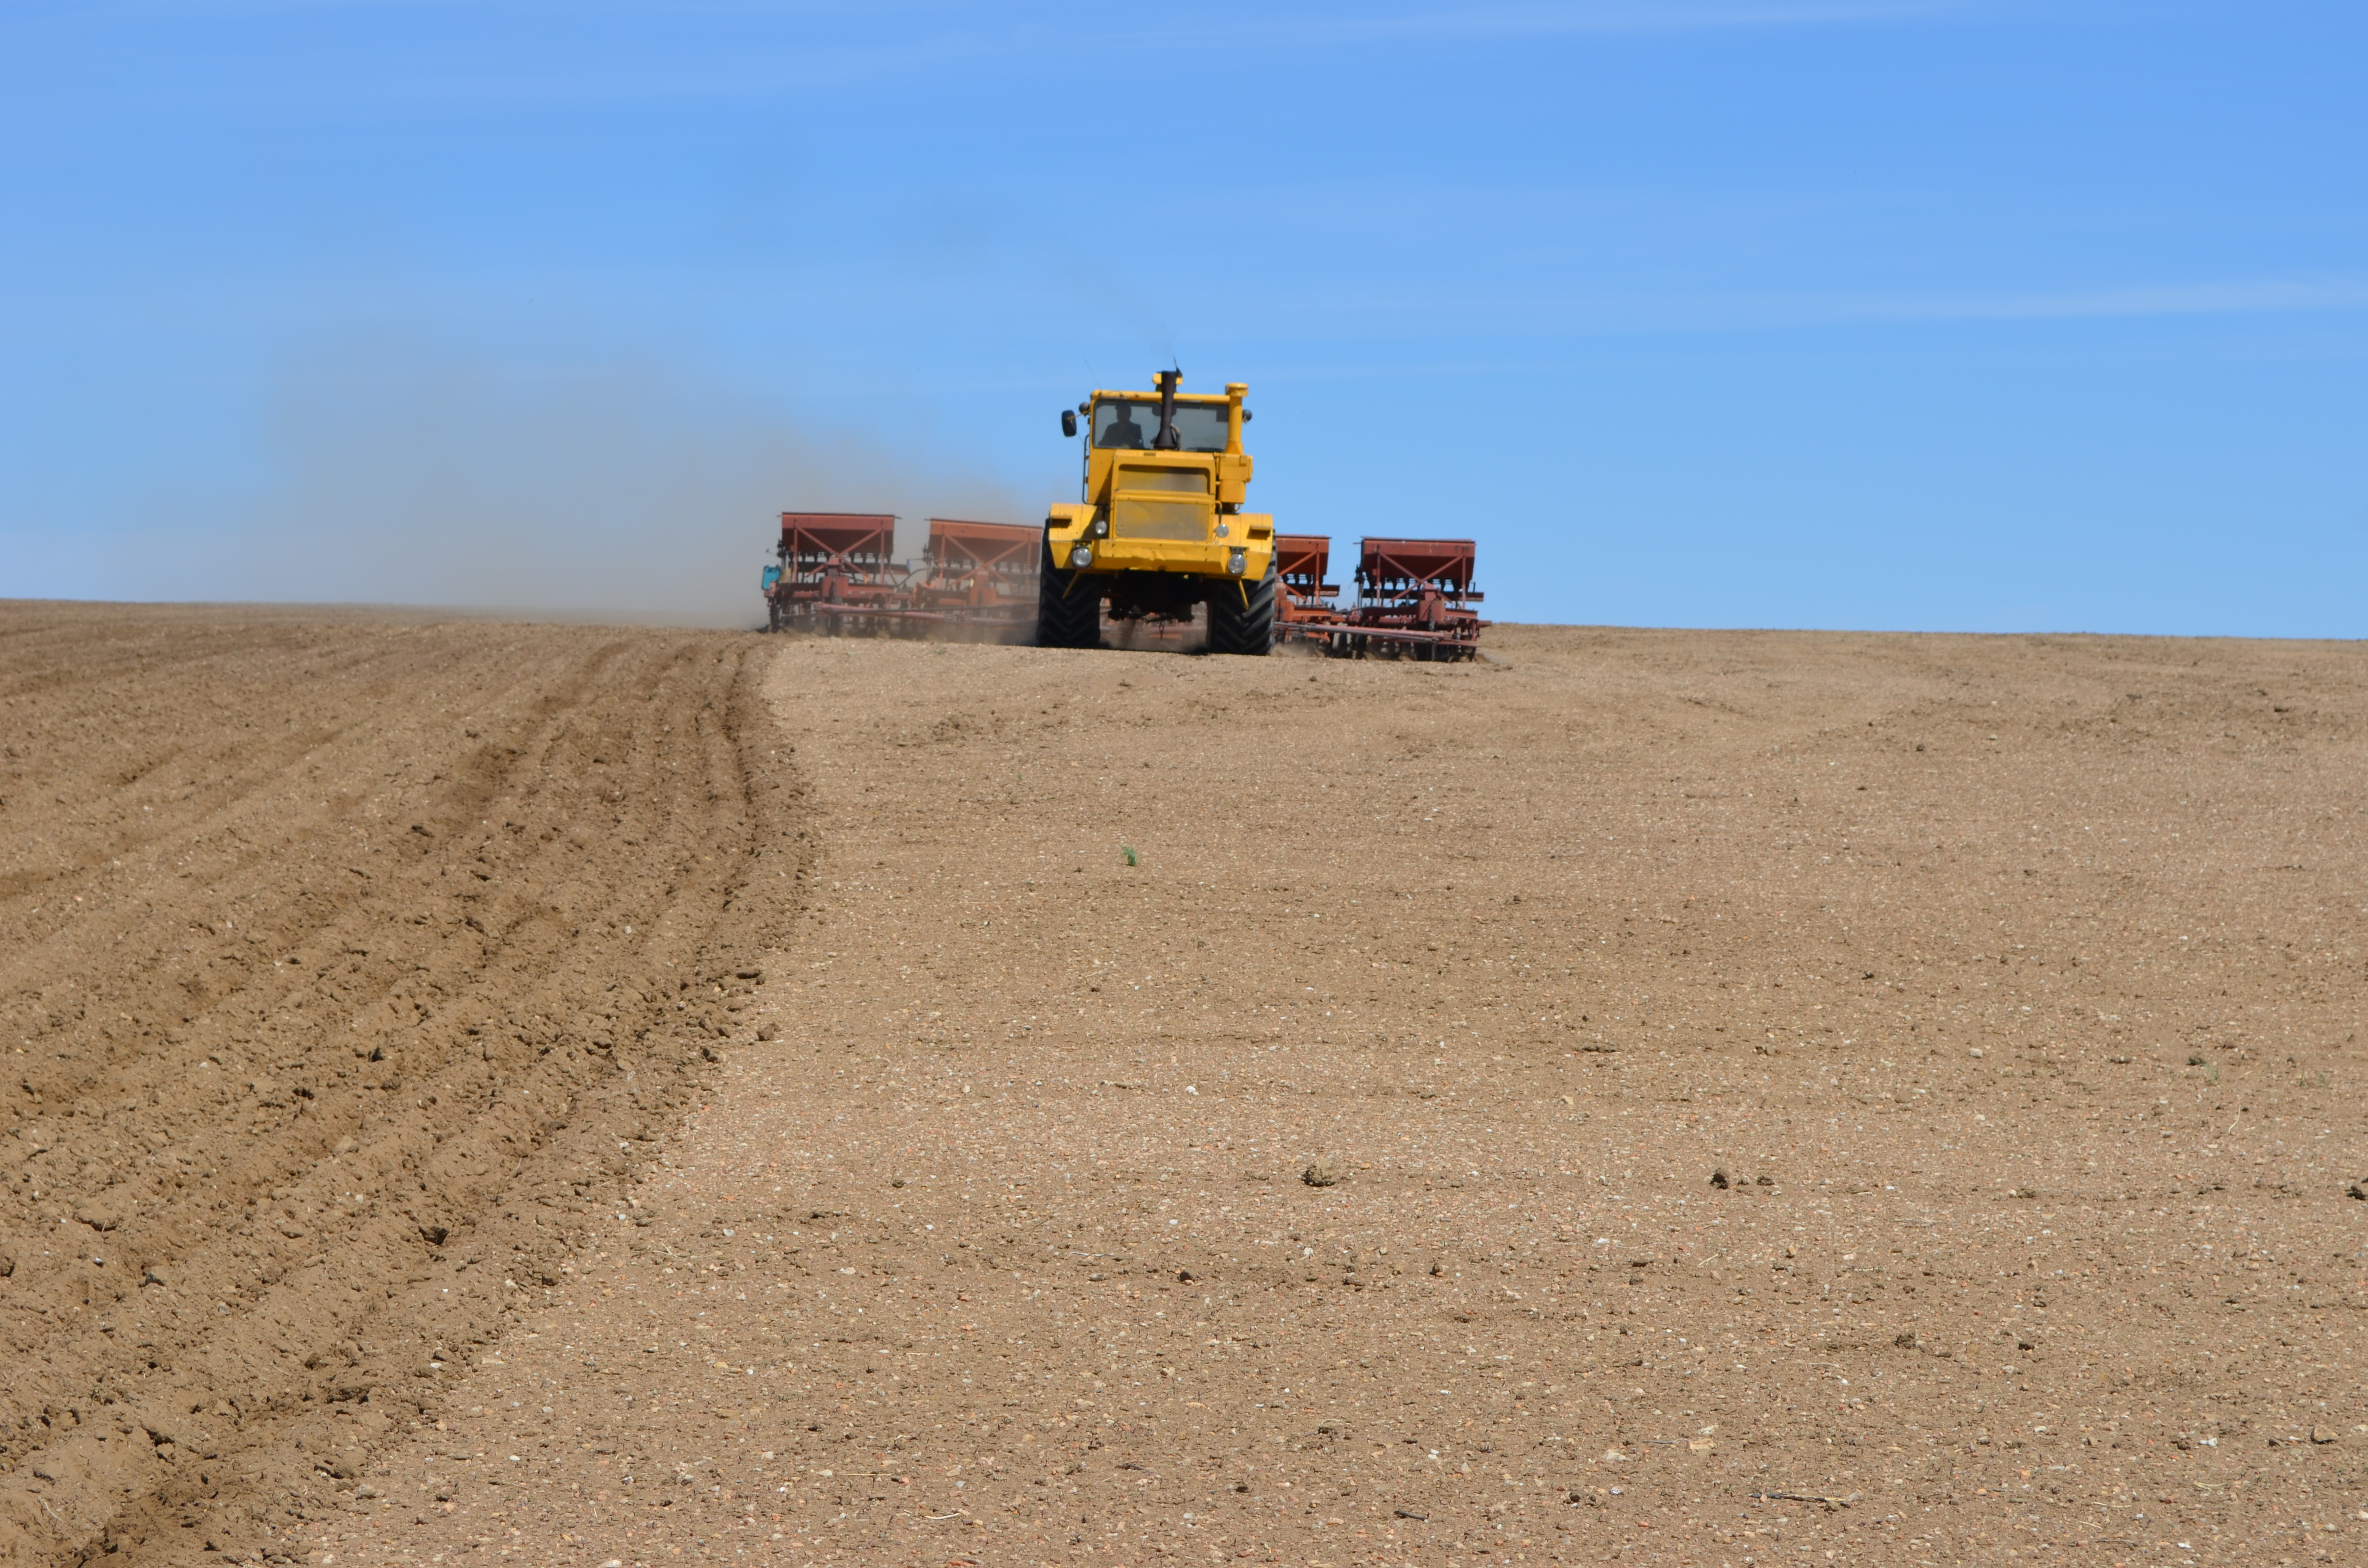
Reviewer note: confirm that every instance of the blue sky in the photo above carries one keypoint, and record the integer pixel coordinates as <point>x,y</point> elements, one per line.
<point>1946,316</point>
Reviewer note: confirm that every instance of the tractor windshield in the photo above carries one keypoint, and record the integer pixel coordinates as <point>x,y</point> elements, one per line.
<point>1127,423</point>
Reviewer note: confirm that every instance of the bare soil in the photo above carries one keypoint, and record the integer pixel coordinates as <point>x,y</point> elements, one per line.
<point>1676,1098</point>
<point>343,963</point>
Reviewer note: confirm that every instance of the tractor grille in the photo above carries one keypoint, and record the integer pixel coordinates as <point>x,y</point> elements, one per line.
<point>1193,481</point>
<point>1147,516</point>
<point>1160,503</point>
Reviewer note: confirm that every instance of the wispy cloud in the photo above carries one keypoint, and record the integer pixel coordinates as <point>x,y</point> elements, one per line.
<point>1497,315</point>
<point>1530,314</point>
<point>2256,297</point>
<point>1220,22</point>
<point>384,54</point>
<point>1547,22</point>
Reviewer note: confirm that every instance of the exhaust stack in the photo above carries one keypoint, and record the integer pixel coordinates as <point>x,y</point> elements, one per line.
<point>1167,440</point>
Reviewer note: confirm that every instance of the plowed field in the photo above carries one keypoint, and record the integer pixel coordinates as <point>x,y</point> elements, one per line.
<point>342,964</point>
<point>1656,1097</point>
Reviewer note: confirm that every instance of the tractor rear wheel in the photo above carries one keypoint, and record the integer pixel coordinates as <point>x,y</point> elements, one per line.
<point>1068,613</point>
<point>1236,626</point>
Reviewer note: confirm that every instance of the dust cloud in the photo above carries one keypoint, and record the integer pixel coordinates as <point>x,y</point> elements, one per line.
<point>620,487</point>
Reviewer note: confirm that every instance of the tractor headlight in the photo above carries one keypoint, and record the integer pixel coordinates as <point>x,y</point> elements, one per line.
<point>1081,556</point>
<point>1237,563</point>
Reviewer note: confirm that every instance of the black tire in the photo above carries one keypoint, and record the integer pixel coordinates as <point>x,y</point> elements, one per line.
<point>1245,629</point>
<point>1069,612</point>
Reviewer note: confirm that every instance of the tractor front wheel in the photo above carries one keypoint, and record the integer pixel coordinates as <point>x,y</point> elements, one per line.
<point>1068,611</point>
<point>1241,617</point>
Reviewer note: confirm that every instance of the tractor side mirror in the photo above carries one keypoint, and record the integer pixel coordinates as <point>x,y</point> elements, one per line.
<point>1068,422</point>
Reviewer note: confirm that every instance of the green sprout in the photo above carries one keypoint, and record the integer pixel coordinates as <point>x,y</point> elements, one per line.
<point>1128,851</point>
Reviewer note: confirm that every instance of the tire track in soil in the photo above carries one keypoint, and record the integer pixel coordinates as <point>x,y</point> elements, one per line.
<point>346,963</point>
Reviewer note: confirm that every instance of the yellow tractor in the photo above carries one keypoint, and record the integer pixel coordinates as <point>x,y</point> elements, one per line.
<point>1161,527</point>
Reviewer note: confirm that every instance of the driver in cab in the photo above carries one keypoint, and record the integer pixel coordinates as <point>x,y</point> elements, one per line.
<point>1122,431</point>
